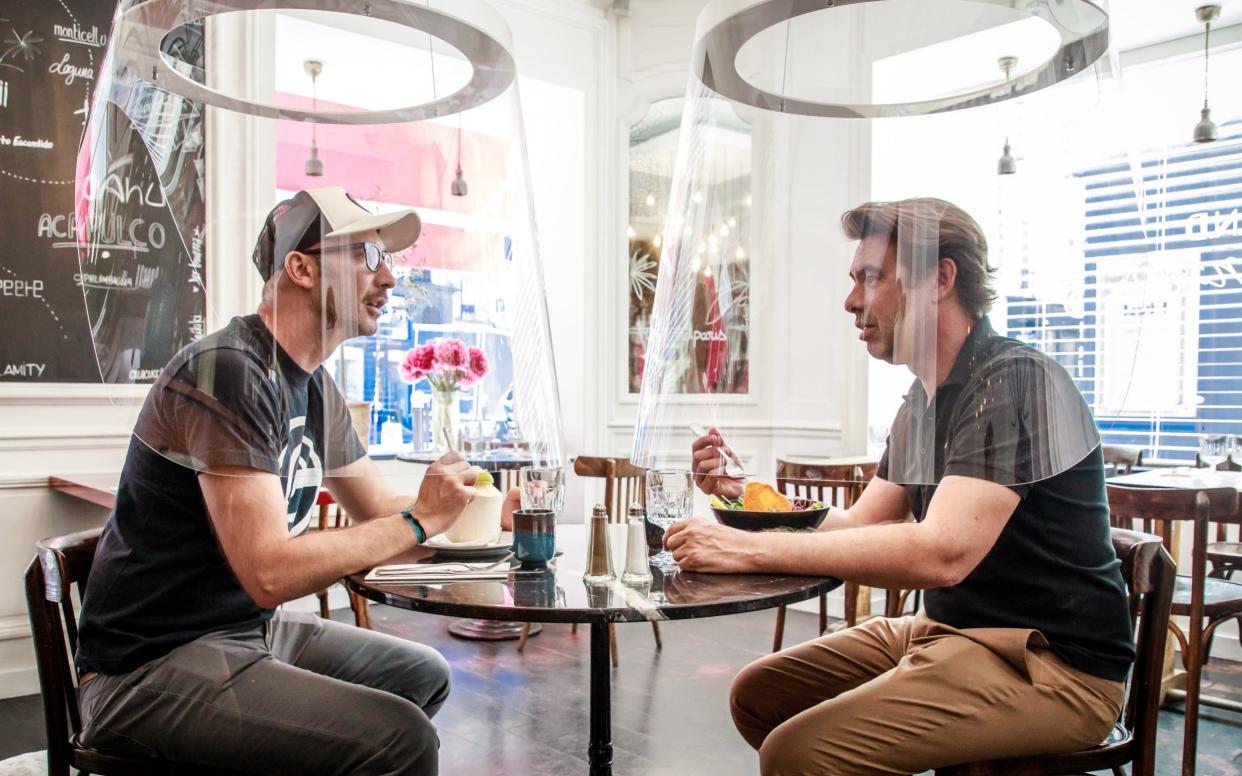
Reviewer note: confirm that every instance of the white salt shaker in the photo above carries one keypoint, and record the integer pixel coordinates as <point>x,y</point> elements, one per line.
<point>637,572</point>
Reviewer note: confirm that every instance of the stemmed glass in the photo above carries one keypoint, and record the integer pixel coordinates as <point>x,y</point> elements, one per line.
<point>542,488</point>
<point>1235,448</point>
<point>669,496</point>
<point>1214,449</point>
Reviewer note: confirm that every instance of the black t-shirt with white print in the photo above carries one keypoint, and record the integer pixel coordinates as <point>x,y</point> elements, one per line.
<point>160,578</point>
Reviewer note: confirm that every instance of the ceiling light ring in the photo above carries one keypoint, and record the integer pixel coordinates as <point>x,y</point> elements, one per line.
<point>726,38</point>
<point>147,24</point>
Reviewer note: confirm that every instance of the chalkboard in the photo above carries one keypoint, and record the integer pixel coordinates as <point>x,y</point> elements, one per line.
<point>127,282</point>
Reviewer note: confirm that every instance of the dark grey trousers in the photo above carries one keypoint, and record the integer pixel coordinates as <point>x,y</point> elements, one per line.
<point>301,695</point>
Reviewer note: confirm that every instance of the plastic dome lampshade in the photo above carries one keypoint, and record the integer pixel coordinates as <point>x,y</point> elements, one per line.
<point>1205,130</point>
<point>1006,164</point>
<point>459,188</point>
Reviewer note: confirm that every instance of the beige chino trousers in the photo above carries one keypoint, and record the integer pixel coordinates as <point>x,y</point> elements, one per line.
<point>900,696</point>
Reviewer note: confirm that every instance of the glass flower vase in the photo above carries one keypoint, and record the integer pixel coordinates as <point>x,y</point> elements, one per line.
<point>443,420</point>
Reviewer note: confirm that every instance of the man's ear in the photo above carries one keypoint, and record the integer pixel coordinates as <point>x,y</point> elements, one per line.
<point>301,268</point>
<point>946,278</point>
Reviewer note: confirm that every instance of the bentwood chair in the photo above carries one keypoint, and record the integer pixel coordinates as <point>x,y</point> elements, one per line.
<point>1225,550</point>
<point>330,519</point>
<point>1205,602</point>
<point>60,564</point>
<point>1148,572</point>
<point>624,484</point>
<point>833,484</point>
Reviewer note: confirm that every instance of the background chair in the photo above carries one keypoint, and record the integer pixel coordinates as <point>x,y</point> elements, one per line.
<point>1225,550</point>
<point>1205,603</point>
<point>837,485</point>
<point>60,564</point>
<point>332,516</point>
<point>1148,571</point>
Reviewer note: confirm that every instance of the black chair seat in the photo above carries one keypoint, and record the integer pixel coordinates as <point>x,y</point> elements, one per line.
<point>1221,597</point>
<point>1113,752</point>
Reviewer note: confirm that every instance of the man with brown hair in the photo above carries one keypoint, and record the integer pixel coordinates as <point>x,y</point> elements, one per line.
<point>1025,640</point>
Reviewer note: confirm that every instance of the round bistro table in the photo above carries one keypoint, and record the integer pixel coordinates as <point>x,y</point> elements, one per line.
<point>558,594</point>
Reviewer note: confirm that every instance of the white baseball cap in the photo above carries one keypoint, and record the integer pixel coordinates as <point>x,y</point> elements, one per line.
<point>295,224</point>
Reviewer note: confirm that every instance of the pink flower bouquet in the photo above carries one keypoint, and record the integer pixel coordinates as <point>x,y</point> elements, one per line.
<point>448,364</point>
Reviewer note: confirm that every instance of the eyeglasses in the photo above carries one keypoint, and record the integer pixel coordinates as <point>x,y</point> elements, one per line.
<point>372,254</point>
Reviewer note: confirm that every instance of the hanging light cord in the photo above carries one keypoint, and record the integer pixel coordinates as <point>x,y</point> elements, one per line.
<point>431,55</point>
<point>314,109</point>
<point>1207,33</point>
<point>785,67</point>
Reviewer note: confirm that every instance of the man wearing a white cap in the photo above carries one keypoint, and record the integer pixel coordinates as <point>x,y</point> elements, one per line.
<point>182,655</point>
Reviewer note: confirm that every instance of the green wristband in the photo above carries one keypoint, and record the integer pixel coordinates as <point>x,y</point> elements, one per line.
<point>408,514</point>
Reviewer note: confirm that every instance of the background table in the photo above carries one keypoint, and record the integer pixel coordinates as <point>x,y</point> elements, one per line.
<point>560,595</point>
<point>1185,478</point>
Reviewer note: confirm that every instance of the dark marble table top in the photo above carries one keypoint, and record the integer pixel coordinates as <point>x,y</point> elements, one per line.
<point>560,595</point>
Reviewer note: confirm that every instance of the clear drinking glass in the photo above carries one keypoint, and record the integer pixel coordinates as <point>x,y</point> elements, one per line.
<point>542,488</point>
<point>670,493</point>
<point>1235,448</point>
<point>1213,449</point>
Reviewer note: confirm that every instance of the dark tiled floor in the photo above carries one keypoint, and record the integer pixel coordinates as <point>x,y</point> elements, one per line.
<point>527,714</point>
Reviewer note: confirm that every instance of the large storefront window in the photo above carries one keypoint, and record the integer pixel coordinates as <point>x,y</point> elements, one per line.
<point>459,281</point>
<point>1119,248</point>
<point>719,320</point>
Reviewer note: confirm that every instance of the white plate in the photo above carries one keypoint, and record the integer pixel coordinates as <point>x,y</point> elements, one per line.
<point>448,549</point>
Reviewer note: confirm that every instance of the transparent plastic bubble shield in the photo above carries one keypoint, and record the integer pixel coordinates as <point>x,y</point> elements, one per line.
<point>783,299</point>
<point>247,390</point>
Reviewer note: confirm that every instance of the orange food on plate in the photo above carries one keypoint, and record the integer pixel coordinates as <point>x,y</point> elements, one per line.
<point>760,497</point>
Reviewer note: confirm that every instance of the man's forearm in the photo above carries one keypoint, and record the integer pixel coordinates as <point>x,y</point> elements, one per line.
<point>891,555</point>
<point>838,518</point>
<point>312,562</point>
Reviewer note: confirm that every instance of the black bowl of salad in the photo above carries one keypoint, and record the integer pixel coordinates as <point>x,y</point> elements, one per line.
<point>805,516</point>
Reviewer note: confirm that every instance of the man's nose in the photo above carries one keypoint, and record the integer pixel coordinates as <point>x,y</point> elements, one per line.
<point>386,278</point>
<point>853,300</point>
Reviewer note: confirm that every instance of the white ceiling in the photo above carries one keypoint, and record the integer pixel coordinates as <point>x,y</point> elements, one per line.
<point>1137,23</point>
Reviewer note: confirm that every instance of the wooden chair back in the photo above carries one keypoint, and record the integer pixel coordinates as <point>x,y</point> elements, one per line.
<point>60,564</point>
<point>624,483</point>
<point>1155,510</point>
<point>1123,458</point>
<point>1148,571</point>
<point>1225,532</point>
<point>1149,576</point>
<point>837,485</point>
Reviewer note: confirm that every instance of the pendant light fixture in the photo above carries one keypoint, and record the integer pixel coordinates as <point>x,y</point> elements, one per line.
<point>1205,130</point>
<point>1006,164</point>
<point>459,188</point>
<point>314,165</point>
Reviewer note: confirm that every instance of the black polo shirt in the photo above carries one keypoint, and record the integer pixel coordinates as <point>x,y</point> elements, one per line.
<point>1004,414</point>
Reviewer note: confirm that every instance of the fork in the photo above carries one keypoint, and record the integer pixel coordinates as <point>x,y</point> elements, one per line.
<point>733,466</point>
<point>452,567</point>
